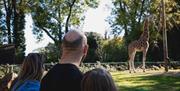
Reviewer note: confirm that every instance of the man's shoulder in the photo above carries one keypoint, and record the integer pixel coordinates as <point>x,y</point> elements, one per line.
<point>68,66</point>
<point>62,70</point>
<point>51,71</point>
<point>62,76</point>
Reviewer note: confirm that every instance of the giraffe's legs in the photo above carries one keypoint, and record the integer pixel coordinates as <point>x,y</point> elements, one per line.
<point>131,62</point>
<point>130,59</point>
<point>133,67</point>
<point>144,59</point>
<point>130,65</point>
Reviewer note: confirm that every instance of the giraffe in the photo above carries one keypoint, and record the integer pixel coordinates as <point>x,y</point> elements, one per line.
<point>140,45</point>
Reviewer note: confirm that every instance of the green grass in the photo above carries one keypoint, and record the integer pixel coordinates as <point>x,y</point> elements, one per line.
<point>149,81</point>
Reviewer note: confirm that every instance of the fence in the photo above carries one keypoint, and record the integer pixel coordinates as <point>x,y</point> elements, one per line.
<point>122,63</point>
<point>173,64</point>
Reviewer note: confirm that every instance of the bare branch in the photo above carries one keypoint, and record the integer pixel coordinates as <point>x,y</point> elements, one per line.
<point>141,11</point>
<point>4,2</point>
<point>46,31</point>
<point>69,15</point>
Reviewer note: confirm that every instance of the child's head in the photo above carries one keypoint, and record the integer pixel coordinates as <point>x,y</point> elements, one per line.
<point>32,67</point>
<point>98,80</point>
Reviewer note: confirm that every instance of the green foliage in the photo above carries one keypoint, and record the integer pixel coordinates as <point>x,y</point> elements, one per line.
<point>128,15</point>
<point>18,36</point>
<point>114,50</point>
<point>54,17</point>
<point>94,40</point>
<point>51,51</point>
<point>12,22</point>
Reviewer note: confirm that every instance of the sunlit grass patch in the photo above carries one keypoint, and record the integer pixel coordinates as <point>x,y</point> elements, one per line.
<point>149,81</point>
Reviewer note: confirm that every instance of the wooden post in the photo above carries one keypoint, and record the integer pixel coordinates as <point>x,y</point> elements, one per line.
<point>165,48</point>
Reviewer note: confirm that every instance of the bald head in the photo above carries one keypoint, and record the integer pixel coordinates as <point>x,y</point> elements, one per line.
<point>75,47</point>
<point>74,40</point>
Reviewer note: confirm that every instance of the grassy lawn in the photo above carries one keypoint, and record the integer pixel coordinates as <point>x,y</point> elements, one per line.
<point>149,81</point>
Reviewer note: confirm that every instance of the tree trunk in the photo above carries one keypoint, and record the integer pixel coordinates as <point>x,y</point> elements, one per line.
<point>165,48</point>
<point>8,9</point>
<point>8,25</point>
<point>15,23</point>
<point>60,28</point>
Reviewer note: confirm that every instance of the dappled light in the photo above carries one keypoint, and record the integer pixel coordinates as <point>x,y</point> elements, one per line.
<point>149,81</point>
<point>136,41</point>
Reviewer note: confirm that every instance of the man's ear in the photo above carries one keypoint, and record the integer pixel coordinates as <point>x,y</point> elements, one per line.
<point>85,50</point>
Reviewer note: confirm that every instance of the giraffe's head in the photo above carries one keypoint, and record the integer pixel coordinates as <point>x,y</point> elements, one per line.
<point>151,17</point>
<point>149,20</point>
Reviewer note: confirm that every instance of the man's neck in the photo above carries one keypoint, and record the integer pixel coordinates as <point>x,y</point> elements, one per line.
<point>70,57</point>
<point>65,62</point>
<point>70,60</point>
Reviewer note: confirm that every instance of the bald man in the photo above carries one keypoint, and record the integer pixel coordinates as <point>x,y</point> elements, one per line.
<point>65,76</point>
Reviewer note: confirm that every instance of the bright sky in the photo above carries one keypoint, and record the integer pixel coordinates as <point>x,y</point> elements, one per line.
<point>94,21</point>
<point>95,18</point>
<point>31,41</point>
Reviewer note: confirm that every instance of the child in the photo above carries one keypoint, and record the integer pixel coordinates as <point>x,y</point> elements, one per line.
<point>97,80</point>
<point>30,74</point>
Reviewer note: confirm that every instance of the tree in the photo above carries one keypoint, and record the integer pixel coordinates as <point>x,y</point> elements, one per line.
<point>114,50</point>
<point>94,40</point>
<point>54,17</point>
<point>1,27</point>
<point>12,25</point>
<point>18,33</point>
<point>128,15</point>
<point>8,9</point>
<point>173,34</point>
<point>51,51</point>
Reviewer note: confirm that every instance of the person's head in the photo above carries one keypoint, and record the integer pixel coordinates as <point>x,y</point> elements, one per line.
<point>97,80</point>
<point>32,67</point>
<point>74,46</point>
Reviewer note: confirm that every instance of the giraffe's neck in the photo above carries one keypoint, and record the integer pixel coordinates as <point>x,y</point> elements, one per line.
<point>145,34</point>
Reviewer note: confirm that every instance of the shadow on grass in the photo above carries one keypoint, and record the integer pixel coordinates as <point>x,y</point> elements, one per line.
<point>147,83</point>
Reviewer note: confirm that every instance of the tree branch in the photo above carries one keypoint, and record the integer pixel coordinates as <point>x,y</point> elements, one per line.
<point>140,16</point>
<point>46,31</point>
<point>59,25</point>
<point>5,5</point>
<point>69,15</point>
<point>126,13</point>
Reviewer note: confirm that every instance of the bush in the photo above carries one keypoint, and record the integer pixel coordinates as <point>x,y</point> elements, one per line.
<point>114,50</point>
